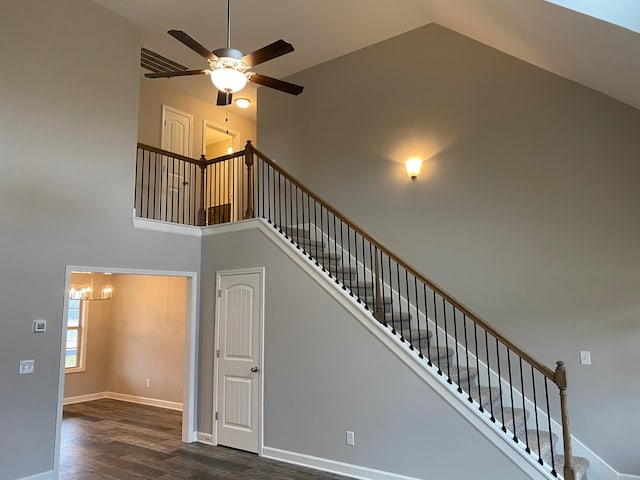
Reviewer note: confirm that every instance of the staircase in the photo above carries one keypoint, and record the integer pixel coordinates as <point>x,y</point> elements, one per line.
<point>500,381</point>
<point>516,423</point>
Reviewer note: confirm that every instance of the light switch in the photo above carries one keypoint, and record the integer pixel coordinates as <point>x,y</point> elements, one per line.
<point>26,366</point>
<point>585,357</point>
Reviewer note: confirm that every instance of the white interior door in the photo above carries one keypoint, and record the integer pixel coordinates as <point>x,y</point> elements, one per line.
<point>174,177</point>
<point>239,370</point>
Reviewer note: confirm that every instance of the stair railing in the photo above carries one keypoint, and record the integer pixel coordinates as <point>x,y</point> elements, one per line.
<point>510,381</point>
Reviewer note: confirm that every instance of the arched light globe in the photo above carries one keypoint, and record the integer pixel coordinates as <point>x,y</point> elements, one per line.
<point>228,80</point>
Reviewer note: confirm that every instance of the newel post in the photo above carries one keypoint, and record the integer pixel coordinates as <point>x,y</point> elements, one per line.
<point>560,378</point>
<point>202,217</point>
<point>248,161</point>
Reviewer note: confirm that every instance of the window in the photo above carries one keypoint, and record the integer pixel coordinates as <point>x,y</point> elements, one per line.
<point>75,348</point>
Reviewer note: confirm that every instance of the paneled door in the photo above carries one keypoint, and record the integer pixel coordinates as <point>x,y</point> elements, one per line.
<point>239,359</point>
<point>174,177</point>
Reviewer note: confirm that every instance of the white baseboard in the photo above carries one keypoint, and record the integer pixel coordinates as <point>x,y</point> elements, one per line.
<point>205,438</point>
<point>626,476</point>
<point>152,402</point>
<point>84,398</point>
<point>40,476</point>
<point>331,466</point>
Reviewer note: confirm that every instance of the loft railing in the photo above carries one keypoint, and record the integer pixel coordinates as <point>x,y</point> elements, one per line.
<point>492,372</point>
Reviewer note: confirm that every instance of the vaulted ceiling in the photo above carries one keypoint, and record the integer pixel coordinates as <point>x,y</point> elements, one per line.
<point>601,55</point>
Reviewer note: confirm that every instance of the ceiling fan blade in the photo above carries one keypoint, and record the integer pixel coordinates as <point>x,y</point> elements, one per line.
<point>224,98</point>
<point>192,44</point>
<point>276,49</point>
<point>181,73</point>
<point>281,85</point>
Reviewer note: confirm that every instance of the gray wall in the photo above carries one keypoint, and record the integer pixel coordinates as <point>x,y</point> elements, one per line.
<point>69,93</point>
<point>527,209</point>
<point>326,374</point>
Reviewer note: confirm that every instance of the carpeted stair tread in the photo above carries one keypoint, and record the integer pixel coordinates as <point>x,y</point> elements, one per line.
<point>580,464</point>
<point>369,300</point>
<point>489,398</point>
<point>520,416</point>
<point>412,335</point>
<point>397,321</point>
<point>542,446</point>
<point>471,374</point>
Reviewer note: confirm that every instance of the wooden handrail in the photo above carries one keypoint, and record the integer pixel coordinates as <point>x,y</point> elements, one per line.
<point>169,154</point>
<point>546,371</point>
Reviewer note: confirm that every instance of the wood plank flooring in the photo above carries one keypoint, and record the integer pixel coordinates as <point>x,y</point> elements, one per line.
<point>108,439</point>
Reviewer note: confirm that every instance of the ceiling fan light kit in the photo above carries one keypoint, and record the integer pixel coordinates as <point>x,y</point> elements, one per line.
<point>230,68</point>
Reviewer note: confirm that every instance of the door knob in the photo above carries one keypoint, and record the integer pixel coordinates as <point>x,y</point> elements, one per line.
<point>254,369</point>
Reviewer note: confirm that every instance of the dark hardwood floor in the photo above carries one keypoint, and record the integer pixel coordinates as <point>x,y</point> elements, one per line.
<point>108,439</point>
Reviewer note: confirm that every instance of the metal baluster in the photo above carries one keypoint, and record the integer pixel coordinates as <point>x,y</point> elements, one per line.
<point>426,321</point>
<point>435,319</point>
<point>446,339</point>
<point>513,410</point>
<point>406,285</point>
<point>475,336</point>
<point>415,288</point>
<point>486,344</point>
<point>466,349</point>
<point>455,336</point>
<point>500,384</point>
<point>551,445</point>
<point>535,409</point>
<point>526,430</point>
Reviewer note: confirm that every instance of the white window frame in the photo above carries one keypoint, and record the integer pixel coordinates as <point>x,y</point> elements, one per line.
<point>81,348</point>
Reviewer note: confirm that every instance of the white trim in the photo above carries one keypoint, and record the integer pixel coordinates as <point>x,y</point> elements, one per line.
<point>205,438</point>
<point>40,476</point>
<point>90,397</point>
<point>626,476</point>
<point>123,397</point>
<point>166,227</point>
<point>331,466</point>
<point>191,338</point>
<point>151,402</point>
<point>254,270</point>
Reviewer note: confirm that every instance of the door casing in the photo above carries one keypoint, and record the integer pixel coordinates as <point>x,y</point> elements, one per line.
<point>219,275</point>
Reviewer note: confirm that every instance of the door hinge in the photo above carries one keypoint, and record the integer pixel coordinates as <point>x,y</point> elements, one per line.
<point>219,293</point>
<point>216,415</point>
<point>218,353</point>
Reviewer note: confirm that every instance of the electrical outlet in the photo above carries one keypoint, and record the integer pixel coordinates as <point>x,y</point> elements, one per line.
<point>148,383</point>
<point>39,326</point>
<point>585,357</point>
<point>26,366</point>
<point>351,439</point>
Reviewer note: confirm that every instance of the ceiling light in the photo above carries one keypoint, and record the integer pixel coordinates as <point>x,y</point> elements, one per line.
<point>228,80</point>
<point>243,102</point>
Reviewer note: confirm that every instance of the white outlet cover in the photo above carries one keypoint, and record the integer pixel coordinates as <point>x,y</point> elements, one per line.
<point>351,441</point>
<point>39,326</point>
<point>26,366</point>
<point>585,357</point>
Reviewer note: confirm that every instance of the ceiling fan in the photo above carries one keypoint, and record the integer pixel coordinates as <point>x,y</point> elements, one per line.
<point>229,68</point>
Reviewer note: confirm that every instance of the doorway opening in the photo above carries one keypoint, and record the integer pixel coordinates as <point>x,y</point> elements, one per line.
<point>129,335</point>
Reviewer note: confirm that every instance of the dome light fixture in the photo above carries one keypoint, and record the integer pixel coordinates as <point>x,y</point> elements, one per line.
<point>243,103</point>
<point>228,79</point>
